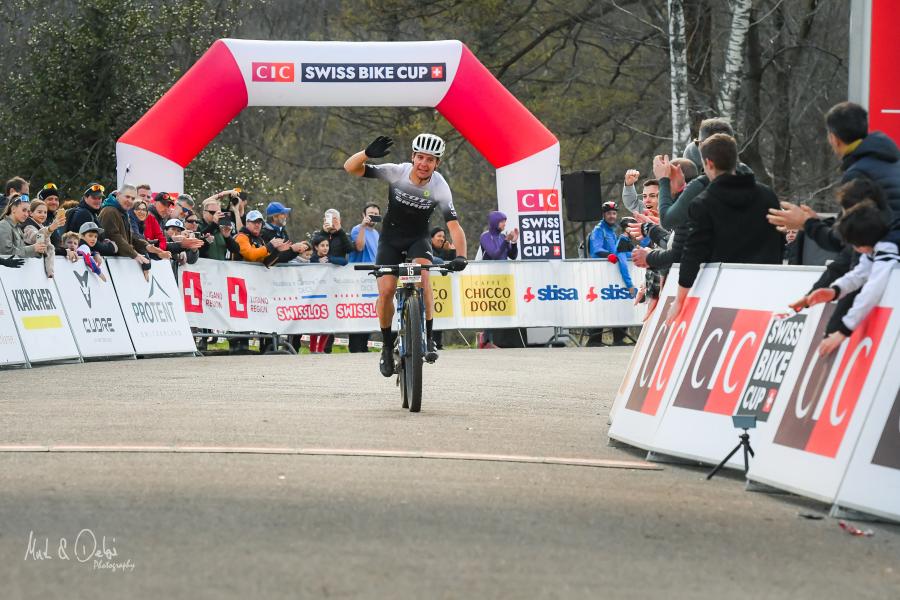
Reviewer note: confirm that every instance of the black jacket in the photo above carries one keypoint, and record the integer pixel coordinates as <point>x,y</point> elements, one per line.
<point>82,214</point>
<point>728,224</point>
<point>269,232</point>
<point>877,158</point>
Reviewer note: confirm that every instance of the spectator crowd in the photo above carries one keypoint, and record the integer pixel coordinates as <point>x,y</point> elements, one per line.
<point>705,206</point>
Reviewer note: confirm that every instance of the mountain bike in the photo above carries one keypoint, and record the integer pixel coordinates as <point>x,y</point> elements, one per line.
<point>410,341</point>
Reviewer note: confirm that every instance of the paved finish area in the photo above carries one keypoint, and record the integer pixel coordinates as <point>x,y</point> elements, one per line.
<point>323,524</point>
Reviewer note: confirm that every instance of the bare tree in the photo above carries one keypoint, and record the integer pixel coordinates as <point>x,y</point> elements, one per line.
<point>734,58</point>
<point>678,77</point>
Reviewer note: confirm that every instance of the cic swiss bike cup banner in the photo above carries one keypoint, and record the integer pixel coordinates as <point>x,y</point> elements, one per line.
<point>872,482</point>
<point>658,359</point>
<point>38,314</point>
<point>808,443</point>
<point>93,310</point>
<point>152,307</point>
<point>744,355</point>
<point>291,299</point>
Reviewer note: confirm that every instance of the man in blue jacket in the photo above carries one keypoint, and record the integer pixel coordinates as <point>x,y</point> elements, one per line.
<point>606,243</point>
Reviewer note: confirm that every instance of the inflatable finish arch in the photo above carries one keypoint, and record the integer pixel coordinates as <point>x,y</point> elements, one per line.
<point>234,74</point>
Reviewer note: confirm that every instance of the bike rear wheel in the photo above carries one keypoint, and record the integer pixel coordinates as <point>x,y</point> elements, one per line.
<point>413,350</point>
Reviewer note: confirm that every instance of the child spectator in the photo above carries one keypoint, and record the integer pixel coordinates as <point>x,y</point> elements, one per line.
<point>89,233</point>
<point>320,251</point>
<point>866,229</point>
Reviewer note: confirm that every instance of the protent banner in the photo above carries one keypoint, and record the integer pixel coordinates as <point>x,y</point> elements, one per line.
<point>807,447</point>
<point>11,352</point>
<point>152,307</point>
<point>643,401</point>
<point>234,74</point>
<point>872,482</point>
<point>235,296</point>
<point>743,359</point>
<point>38,313</point>
<point>93,310</point>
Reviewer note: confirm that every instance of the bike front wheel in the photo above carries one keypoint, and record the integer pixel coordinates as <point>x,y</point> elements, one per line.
<point>413,344</point>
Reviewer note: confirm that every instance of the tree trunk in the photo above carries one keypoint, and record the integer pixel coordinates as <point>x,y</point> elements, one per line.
<point>781,166</point>
<point>698,18</point>
<point>678,77</point>
<point>749,141</point>
<point>734,58</point>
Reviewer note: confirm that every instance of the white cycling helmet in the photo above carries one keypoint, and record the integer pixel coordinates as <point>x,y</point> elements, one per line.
<point>428,143</point>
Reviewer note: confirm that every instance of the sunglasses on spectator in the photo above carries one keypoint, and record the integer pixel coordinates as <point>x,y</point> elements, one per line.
<point>211,212</point>
<point>194,221</point>
<point>97,188</point>
<point>50,186</point>
<point>22,199</point>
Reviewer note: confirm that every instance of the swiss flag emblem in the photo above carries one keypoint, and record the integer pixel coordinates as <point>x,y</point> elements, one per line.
<point>193,292</point>
<point>437,72</point>
<point>237,297</point>
<point>556,251</point>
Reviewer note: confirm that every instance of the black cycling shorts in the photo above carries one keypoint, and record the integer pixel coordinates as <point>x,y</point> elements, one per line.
<point>394,251</point>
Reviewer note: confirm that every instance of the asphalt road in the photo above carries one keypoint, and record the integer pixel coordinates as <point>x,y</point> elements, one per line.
<point>214,524</point>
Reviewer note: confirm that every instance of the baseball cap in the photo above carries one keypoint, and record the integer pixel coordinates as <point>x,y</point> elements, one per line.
<point>608,206</point>
<point>277,208</point>
<point>254,215</point>
<point>163,197</point>
<point>89,226</point>
<point>174,223</point>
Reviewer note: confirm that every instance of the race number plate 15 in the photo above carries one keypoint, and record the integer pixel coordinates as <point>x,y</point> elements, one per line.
<point>408,274</point>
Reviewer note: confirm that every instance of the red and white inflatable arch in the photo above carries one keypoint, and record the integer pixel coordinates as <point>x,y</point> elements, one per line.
<point>234,74</point>
<point>874,52</point>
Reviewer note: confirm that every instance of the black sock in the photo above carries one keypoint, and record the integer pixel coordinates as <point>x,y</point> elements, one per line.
<point>429,327</point>
<point>387,337</point>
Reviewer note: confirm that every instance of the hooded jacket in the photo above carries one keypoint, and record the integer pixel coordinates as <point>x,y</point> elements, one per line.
<point>728,224</point>
<point>493,245</point>
<point>877,158</point>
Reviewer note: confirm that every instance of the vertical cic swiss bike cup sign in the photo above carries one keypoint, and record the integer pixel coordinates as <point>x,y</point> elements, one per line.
<point>235,74</point>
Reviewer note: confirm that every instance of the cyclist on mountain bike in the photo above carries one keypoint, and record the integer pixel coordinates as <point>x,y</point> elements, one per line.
<point>415,190</point>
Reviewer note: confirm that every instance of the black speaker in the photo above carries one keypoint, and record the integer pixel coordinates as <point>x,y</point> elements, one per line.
<point>582,195</point>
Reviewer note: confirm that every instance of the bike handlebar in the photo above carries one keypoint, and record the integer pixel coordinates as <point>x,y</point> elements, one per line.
<point>395,269</point>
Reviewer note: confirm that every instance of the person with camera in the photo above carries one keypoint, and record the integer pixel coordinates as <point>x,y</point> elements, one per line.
<point>364,238</point>
<point>217,231</point>
<point>441,247</point>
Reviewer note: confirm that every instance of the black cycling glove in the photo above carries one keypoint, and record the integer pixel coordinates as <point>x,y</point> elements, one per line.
<point>12,262</point>
<point>380,147</point>
<point>457,264</point>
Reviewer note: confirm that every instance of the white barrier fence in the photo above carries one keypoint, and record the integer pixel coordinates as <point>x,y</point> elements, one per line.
<point>827,428</point>
<point>76,315</point>
<point>316,298</point>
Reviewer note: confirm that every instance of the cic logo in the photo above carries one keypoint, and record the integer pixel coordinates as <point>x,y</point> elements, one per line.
<point>275,72</point>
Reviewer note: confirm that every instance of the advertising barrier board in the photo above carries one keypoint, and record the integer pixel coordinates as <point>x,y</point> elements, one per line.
<point>92,308</point>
